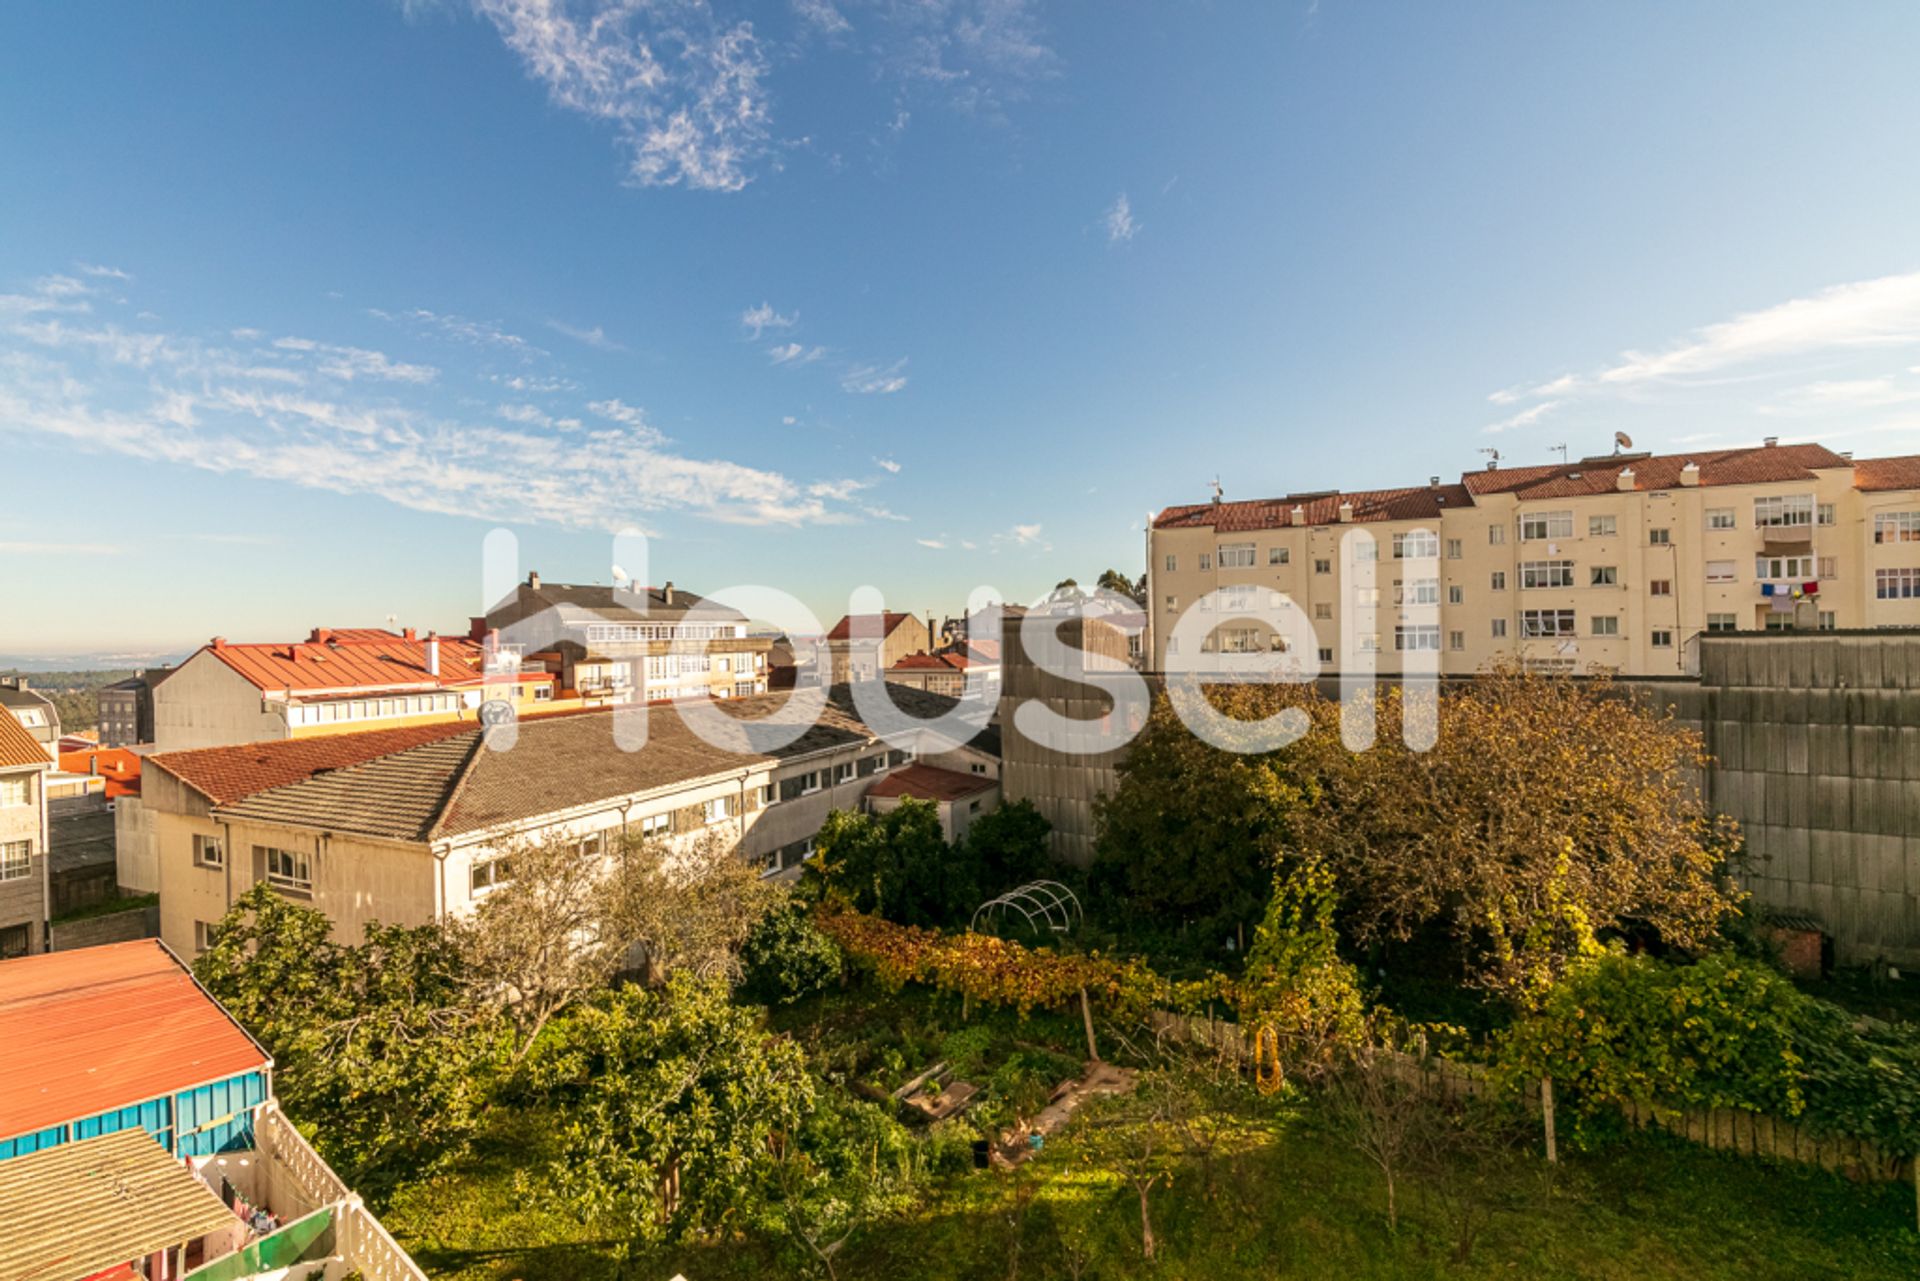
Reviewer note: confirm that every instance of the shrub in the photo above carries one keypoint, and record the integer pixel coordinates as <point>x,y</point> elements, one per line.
<point>786,957</point>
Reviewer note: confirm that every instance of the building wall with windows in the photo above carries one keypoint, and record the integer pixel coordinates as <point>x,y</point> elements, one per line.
<point>1620,562</point>
<point>23,858</point>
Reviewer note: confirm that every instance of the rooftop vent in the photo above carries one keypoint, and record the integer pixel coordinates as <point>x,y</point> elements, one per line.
<point>1770,442</point>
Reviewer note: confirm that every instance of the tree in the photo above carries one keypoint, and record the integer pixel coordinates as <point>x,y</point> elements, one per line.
<point>694,905</point>
<point>673,1099</point>
<point>1007,847</point>
<point>1301,999</point>
<point>897,865</point>
<point>1113,580</point>
<point>786,957</point>
<point>377,1046</point>
<point>846,1165</point>
<point>1141,1137</point>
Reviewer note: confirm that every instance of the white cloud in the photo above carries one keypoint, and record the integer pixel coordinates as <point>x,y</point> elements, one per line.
<point>1026,535</point>
<point>1118,220</point>
<point>757,320</point>
<point>937,544</point>
<point>595,337</point>
<point>887,464</point>
<point>459,329</point>
<point>534,416</point>
<point>794,354</point>
<point>684,94</point>
<point>103,273</point>
<point>532,384</point>
<point>789,420</point>
<point>823,15</point>
<point>1846,394</point>
<point>840,489</point>
<point>1525,418</point>
<point>349,363</point>
<point>875,380</point>
<point>882,513</point>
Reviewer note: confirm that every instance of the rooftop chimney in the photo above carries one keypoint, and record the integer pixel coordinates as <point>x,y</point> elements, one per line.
<point>533,580</point>
<point>1847,454</point>
<point>1690,474</point>
<point>1433,482</point>
<point>219,642</point>
<point>1624,480</point>
<point>433,652</point>
<point>1346,512</point>
<point>410,634</point>
<point>666,593</point>
<point>1771,441</point>
<point>320,636</point>
<point>1299,514</point>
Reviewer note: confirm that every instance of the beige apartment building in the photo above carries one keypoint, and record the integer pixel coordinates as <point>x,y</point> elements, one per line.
<point>24,903</point>
<point>861,647</point>
<point>1619,562</point>
<point>409,825</point>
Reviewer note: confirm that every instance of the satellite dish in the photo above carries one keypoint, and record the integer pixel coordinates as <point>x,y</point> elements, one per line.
<point>1622,441</point>
<point>620,575</point>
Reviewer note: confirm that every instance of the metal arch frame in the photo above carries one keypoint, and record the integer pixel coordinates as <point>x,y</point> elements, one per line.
<point>1037,901</point>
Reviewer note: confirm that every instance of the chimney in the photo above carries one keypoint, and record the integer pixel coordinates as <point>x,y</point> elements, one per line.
<point>410,634</point>
<point>433,653</point>
<point>1299,514</point>
<point>219,642</point>
<point>1433,482</point>
<point>533,580</point>
<point>1690,474</point>
<point>320,636</point>
<point>1346,512</point>
<point>666,593</point>
<point>1847,454</point>
<point>1770,441</point>
<point>1624,481</point>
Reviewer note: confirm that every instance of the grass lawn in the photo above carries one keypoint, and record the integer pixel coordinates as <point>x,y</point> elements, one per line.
<point>1280,1196</point>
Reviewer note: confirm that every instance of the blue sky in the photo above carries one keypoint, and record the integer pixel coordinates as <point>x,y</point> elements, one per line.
<point>297,302</point>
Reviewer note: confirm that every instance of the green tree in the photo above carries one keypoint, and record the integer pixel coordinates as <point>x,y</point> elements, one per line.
<point>848,1164</point>
<point>672,1099</point>
<point>1007,847</point>
<point>786,957</point>
<point>1113,580</point>
<point>897,865</point>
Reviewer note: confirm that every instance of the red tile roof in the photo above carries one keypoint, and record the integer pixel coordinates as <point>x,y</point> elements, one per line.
<point>954,659</point>
<point>930,783</point>
<point>1758,465</point>
<point>1421,503</point>
<point>105,1027</point>
<point>889,621</point>
<point>355,658</point>
<point>17,746</point>
<point>120,767</point>
<point>227,774</point>
<point>1877,475</point>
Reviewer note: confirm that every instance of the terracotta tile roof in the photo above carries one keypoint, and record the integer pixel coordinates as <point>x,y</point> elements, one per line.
<point>120,767</point>
<point>352,659</point>
<point>1878,475</point>
<point>1756,465</point>
<point>82,1208</point>
<point>100,1028</point>
<point>930,783</point>
<point>1414,503</point>
<point>226,774</point>
<point>888,622</point>
<point>952,659</point>
<point>17,746</point>
<point>460,784</point>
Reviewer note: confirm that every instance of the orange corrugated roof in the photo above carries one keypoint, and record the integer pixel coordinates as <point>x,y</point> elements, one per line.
<point>106,1027</point>
<point>352,659</point>
<point>120,767</point>
<point>17,746</point>
<point>930,783</point>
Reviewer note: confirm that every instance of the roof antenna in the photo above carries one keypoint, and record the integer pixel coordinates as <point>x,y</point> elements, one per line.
<point>1493,457</point>
<point>1563,453</point>
<point>1217,491</point>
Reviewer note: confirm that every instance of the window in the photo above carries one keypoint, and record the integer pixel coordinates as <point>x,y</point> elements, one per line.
<point>1829,567</point>
<point>1456,595</point>
<point>1720,571</point>
<point>843,772</point>
<point>16,860</point>
<point>1454,550</point>
<point>1606,625</point>
<point>1326,655</point>
<point>1660,639</point>
<point>1322,609</point>
<point>1456,640</point>
<point>1366,550</point>
<point>1323,567</point>
<point>1896,584</point>
<point>1826,513</point>
<point>1206,560</point>
<point>1541,525</point>
<point>722,808</point>
<point>1782,511</point>
<point>1721,518</point>
<point>1828,620</point>
<point>1605,576</point>
<point>1279,556</point>
<point>1171,563</point>
<point>1783,567</point>
<point>1419,543</point>
<point>1236,555</point>
<point>977,767</point>
<point>1723,622</point>
<point>1499,629</point>
<point>1367,643</point>
<point>1779,622</point>
<point>1366,596</point>
<point>289,870</point>
<point>15,940</point>
<point>1546,622</point>
<point>16,791</point>
<point>1499,580</point>
<point>1660,587</point>
<point>1546,573</point>
<point>1417,637</point>
<point>489,874</point>
<point>1496,534</point>
<point>1659,537</point>
<point>1896,527</point>
<point>656,825</point>
<point>1239,640</point>
<point>203,936</point>
<point>591,846</point>
<point>1173,602</point>
<point>207,852</point>
<point>1602,526</point>
<point>542,693</point>
<point>1421,591</point>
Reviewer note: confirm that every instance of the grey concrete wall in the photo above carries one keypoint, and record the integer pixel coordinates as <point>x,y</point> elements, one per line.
<point>116,927</point>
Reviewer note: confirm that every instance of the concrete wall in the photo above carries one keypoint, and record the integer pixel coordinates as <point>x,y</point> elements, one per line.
<point>134,853</point>
<point>205,703</point>
<point>115,927</point>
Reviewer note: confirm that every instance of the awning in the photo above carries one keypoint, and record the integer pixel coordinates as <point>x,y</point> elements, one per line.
<point>82,1208</point>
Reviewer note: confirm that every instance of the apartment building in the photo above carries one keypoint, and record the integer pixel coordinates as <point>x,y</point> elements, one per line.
<point>1620,562</point>
<point>35,712</point>
<point>860,647</point>
<point>948,669</point>
<point>409,825</point>
<point>24,837</point>
<point>629,643</point>
<point>338,680</point>
<point>126,709</point>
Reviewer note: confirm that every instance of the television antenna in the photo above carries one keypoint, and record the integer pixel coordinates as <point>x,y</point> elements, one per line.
<point>1493,456</point>
<point>1218,492</point>
<point>1563,453</point>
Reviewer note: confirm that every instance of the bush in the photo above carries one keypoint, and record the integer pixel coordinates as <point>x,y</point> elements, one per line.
<point>786,957</point>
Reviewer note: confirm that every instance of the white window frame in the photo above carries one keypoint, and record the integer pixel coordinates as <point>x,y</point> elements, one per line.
<point>1723,571</point>
<point>1896,527</point>
<point>1602,526</point>
<point>1538,527</point>
<point>1547,624</point>
<point>1604,576</point>
<point>16,791</point>
<point>1421,638</point>
<point>1237,555</point>
<point>1659,536</point>
<point>209,851</point>
<point>16,860</point>
<point>1535,574</point>
<point>1783,511</point>
<point>299,879</point>
<point>1722,518</point>
<point>1416,544</point>
<point>1605,624</point>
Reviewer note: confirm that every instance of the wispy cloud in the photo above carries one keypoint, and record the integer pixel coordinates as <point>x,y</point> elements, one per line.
<point>595,337</point>
<point>100,272</point>
<point>1525,418</point>
<point>682,90</point>
<point>822,15</point>
<point>875,380</point>
<point>459,329</point>
<point>376,426</point>
<point>1845,394</point>
<point>887,464</point>
<point>794,353</point>
<point>1119,221</point>
<point>937,544</point>
<point>757,320</point>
